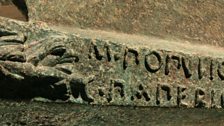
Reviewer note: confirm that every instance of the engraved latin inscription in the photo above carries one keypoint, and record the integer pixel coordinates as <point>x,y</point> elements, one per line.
<point>220,71</point>
<point>115,90</point>
<point>129,53</point>
<point>153,62</point>
<point>205,68</point>
<point>78,89</point>
<point>141,93</point>
<point>119,87</point>
<point>163,91</point>
<point>199,98</point>
<point>181,96</point>
<point>212,99</point>
<point>217,99</point>
<point>222,101</point>
<point>100,52</point>
<point>186,63</point>
<point>123,75</point>
<point>169,61</point>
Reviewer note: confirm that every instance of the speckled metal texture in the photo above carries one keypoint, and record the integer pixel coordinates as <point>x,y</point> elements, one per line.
<point>94,67</point>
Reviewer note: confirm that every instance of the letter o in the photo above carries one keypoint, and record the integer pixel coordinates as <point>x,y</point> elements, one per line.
<point>149,59</point>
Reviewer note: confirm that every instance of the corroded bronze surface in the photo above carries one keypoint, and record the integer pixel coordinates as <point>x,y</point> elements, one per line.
<point>170,62</point>
<point>106,68</point>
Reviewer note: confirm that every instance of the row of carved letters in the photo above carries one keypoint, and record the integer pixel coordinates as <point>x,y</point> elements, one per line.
<point>153,62</point>
<point>162,93</point>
